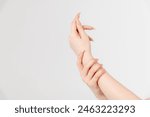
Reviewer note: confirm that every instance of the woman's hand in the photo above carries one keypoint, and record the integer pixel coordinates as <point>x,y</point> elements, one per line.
<point>79,40</point>
<point>90,73</point>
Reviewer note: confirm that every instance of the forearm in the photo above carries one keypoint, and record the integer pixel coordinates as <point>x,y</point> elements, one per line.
<point>112,89</point>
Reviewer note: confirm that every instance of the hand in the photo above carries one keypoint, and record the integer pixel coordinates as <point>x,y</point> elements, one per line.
<point>90,73</point>
<point>79,40</point>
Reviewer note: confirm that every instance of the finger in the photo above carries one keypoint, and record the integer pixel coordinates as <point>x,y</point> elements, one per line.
<point>86,27</point>
<point>80,28</point>
<point>94,69</point>
<point>98,74</point>
<point>79,61</point>
<point>90,38</point>
<point>74,27</point>
<point>87,67</point>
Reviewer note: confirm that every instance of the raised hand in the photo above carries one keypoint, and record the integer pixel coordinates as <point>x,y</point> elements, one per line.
<point>79,40</point>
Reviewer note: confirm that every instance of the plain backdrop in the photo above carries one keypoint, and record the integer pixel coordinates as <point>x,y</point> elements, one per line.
<point>36,61</point>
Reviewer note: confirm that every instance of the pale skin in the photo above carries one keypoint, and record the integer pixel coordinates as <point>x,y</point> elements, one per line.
<point>90,73</point>
<point>102,84</point>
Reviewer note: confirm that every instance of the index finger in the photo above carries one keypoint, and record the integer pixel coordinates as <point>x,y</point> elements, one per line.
<point>73,26</point>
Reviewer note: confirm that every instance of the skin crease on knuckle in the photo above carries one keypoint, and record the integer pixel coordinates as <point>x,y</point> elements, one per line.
<point>88,78</point>
<point>99,74</point>
<point>91,62</point>
<point>96,77</point>
<point>93,69</point>
<point>87,66</point>
<point>86,69</point>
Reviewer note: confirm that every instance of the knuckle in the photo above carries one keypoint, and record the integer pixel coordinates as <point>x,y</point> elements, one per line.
<point>91,62</point>
<point>97,75</point>
<point>100,72</point>
<point>90,74</point>
<point>92,70</point>
<point>98,65</point>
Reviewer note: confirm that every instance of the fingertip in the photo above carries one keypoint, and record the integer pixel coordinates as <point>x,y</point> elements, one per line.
<point>77,16</point>
<point>78,21</point>
<point>92,28</point>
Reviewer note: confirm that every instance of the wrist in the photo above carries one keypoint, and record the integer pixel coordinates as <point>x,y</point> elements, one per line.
<point>87,56</point>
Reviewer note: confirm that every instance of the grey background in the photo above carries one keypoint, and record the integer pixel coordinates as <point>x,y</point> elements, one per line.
<point>37,63</point>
